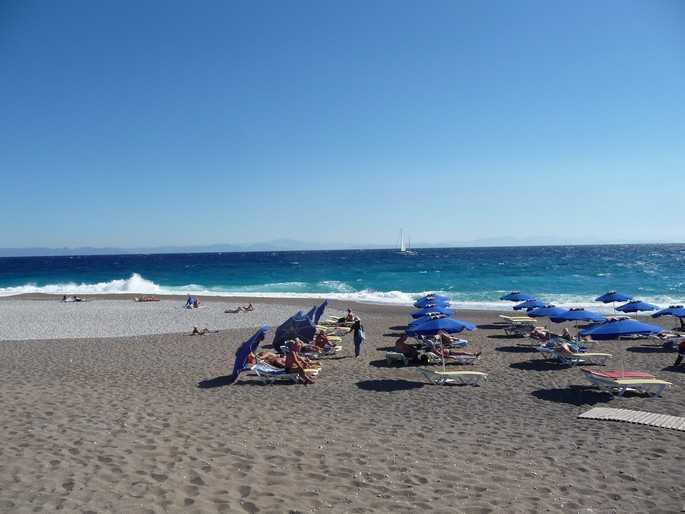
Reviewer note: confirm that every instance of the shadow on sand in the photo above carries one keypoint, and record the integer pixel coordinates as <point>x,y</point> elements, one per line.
<point>388,385</point>
<point>516,349</point>
<point>490,326</point>
<point>573,395</point>
<point>505,336</point>
<point>216,382</point>
<point>650,349</point>
<point>398,327</point>
<point>393,334</point>
<point>536,365</point>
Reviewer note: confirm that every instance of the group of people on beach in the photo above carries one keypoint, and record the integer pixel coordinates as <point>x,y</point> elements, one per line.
<point>72,298</point>
<point>192,303</point>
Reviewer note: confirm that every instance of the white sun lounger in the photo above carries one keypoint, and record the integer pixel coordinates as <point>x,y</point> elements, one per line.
<point>474,378</point>
<point>643,385</point>
<point>269,374</point>
<point>517,319</point>
<point>573,359</point>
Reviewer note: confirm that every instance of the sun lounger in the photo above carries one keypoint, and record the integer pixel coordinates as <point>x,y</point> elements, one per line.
<point>269,374</point>
<point>573,359</point>
<point>396,359</point>
<point>519,329</point>
<point>621,381</point>
<point>474,378</point>
<point>517,319</point>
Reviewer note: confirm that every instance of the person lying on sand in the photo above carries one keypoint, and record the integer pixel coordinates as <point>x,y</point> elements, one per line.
<point>146,299</point>
<point>248,308</point>
<point>200,332</point>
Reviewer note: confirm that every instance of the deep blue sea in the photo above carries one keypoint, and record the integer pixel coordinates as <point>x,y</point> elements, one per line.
<point>472,277</point>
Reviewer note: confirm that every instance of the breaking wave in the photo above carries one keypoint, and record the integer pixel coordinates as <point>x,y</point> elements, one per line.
<point>331,289</point>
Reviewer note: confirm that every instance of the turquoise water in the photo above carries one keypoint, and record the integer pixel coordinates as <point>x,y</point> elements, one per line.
<point>472,277</point>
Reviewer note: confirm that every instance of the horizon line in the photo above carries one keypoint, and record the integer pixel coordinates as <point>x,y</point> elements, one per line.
<point>188,250</point>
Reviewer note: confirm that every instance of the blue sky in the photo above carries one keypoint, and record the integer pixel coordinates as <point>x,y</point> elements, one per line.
<point>155,123</point>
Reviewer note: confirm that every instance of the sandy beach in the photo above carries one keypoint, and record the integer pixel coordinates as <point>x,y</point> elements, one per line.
<point>96,423</point>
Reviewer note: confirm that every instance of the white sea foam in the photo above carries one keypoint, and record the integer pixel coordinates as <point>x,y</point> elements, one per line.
<point>332,289</point>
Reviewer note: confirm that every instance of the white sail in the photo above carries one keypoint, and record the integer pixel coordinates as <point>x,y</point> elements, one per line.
<point>402,246</point>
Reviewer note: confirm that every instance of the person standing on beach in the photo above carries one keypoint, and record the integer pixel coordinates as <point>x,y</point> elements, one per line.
<point>681,354</point>
<point>359,337</point>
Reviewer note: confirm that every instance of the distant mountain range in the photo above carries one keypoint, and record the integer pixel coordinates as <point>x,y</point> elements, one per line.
<point>281,245</point>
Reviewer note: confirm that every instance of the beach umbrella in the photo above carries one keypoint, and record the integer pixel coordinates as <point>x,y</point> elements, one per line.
<point>677,311</point>
<point>529,305</point>
<point>637,306</point>
<point>423,302</point>
<point>310,313</point>
<point>613,297</point>
<point>619,328</point>
<point>319,311</point>
<point>516,296</point>
<point>428,317</point>
<point>429,310</point>
<point>296,326</point>
<point>548,311</point>
<point>434,326</point>
<point>245,349</point>
<point>577,314</point>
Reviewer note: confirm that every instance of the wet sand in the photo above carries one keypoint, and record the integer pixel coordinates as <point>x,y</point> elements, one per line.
<point>120,425</point>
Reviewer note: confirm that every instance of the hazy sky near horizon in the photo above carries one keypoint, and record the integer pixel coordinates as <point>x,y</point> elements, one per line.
<point>165,122</point>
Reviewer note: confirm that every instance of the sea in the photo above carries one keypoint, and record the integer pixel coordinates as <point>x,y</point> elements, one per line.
<point>471,277</point>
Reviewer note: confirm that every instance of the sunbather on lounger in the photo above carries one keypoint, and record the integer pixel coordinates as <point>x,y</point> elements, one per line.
<point>271,358</point>
<point>409,352</point>
<point>295,363</point>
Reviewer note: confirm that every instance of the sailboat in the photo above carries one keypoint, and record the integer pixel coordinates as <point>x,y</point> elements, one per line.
<point>404,248</point>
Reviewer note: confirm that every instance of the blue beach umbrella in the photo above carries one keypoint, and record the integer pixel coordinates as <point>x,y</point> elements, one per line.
<point>434,326</point>
<point>429,310</point>
<point>577,315</point>
<point>637,306</point>
<point>424,319</point>
<point>311,312</point>
<point>618,328</point>
<point>613,297</point>
<point>516,296</point>
<point>548,311</point>
<point>319,311</point>
<point>677,311</point>
<point>433,300</point>
<point>296,326</point>
<point>244,350</point>
<point>529,305</point>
